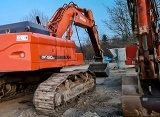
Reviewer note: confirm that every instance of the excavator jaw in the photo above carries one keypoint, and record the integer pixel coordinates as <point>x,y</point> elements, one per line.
<point>140,98</point>
<point>141,106</point>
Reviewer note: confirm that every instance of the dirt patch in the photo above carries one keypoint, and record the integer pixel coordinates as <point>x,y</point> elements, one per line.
<point>104,101</point>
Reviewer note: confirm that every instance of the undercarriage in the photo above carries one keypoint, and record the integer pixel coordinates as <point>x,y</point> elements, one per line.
<point>56,91</point>
<point>60,91</point>
<point>16,84</point>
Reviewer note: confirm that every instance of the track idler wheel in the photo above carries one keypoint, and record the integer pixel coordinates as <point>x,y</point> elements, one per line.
<point>7,90</point>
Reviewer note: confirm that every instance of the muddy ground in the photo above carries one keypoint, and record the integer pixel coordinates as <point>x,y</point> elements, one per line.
<point>104,101</point>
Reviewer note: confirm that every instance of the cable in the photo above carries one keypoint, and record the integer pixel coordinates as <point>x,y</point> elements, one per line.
<point>80,42</point>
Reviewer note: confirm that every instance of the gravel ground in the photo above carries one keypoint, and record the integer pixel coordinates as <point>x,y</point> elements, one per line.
<point>104,101</point>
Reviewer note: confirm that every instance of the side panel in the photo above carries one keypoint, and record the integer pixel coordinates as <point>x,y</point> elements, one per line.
<point>36,52</point>
<point>131,55</point>
<point>57,52</point>
<point>10,51</point>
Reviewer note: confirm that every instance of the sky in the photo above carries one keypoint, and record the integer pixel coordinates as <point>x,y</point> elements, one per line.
<point>12,11</point>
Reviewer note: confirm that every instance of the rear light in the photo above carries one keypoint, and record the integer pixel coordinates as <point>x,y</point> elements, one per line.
<point>22,55</point>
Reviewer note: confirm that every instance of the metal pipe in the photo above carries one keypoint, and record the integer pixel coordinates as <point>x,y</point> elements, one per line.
<point>145,45</point>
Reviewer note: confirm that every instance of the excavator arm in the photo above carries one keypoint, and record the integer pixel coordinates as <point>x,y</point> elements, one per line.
<point>141,93</point>
<point>63,19</point>
<point>144,17</point>
<point>70,14</point>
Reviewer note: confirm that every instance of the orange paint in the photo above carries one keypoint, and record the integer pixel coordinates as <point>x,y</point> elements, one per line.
<point>142,15</point>
<point>36,46</point>
<point>131,54</point>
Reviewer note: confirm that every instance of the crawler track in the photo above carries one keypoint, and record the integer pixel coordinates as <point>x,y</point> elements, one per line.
<point>60,91</point>
<point>18,93</point>
<point>17,84</point>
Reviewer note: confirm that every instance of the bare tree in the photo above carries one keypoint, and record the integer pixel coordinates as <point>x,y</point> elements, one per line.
<point>32,17</point>
<point>119,20</point>
<point>158,5</point>
<point>158,2</point>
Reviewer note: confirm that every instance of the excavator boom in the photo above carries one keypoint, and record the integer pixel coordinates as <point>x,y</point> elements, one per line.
<point>61,23</point>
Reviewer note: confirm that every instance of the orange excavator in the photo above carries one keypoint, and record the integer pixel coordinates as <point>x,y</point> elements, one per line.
<point>32,54</point>
<point>141,93</point>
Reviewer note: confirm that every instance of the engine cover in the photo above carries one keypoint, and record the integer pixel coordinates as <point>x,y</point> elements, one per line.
<point>25,26</point>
